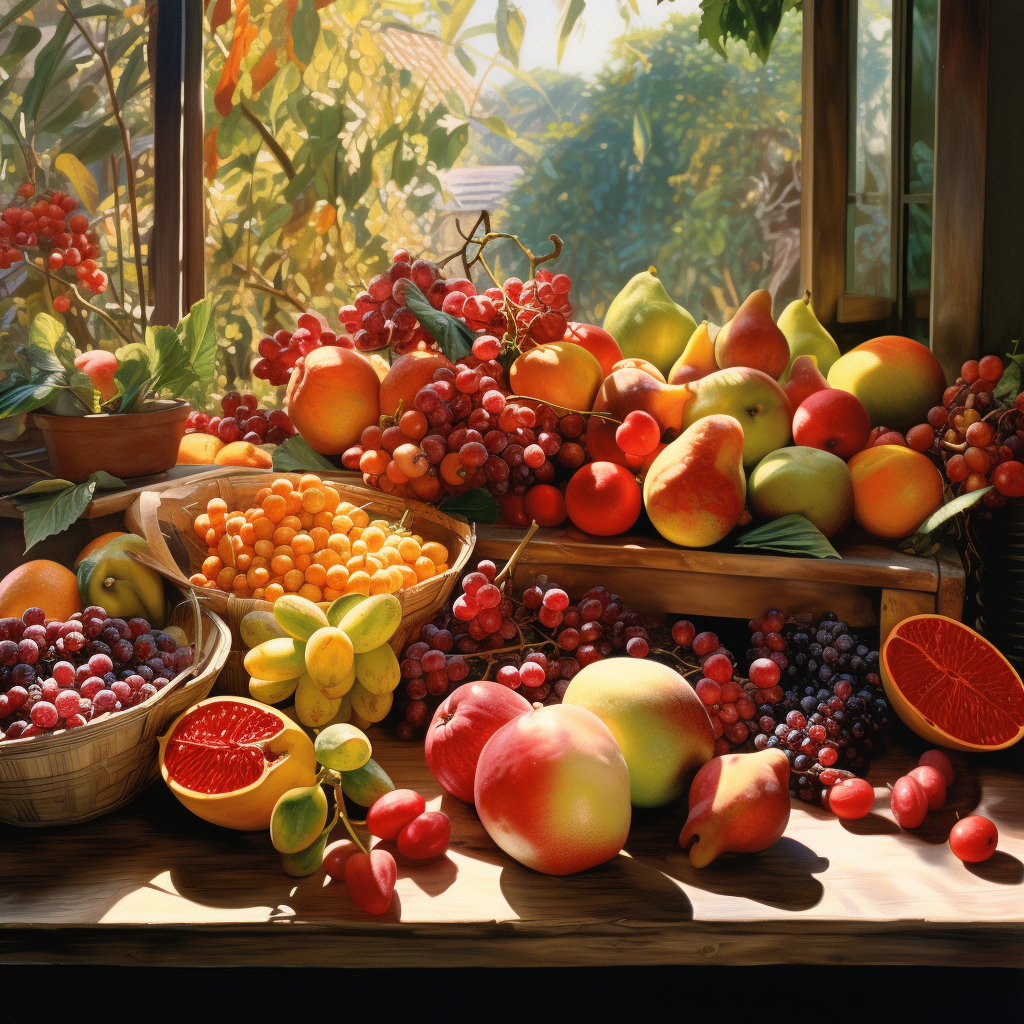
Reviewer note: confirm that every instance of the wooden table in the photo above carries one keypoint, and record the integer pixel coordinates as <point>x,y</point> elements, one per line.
<point>151,884</point>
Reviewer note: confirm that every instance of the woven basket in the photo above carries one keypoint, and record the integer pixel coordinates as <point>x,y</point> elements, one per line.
<point>68,777</point>
<point>164,518</point>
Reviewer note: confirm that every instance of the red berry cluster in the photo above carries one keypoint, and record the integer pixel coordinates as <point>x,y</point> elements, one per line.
<point>543,309</point>
<point>980,440</point>
<point>242,421</point>
<point>60,675</point>
<point>63,237</point>
<point>280,353</point>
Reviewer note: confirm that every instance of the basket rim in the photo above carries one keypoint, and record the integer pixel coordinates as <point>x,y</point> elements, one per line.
<point>214,663</point>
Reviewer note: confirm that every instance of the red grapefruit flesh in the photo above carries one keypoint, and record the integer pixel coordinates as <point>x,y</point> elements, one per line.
<point>229,759</point>
<point>951,686</point>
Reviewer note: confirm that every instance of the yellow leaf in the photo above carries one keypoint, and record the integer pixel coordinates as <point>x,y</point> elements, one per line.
<point>81,179</point>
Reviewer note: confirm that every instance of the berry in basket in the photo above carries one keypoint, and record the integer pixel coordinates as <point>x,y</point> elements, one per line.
<point>57,675</point>
<point>307,541</point>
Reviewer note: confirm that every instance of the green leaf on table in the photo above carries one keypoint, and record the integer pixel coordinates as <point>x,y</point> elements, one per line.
<point>453,337</point>
<point>478,506</point>
<point>51,506</point>
<point>960,503</point>
<point>790,535</point>
<point>296,456</point>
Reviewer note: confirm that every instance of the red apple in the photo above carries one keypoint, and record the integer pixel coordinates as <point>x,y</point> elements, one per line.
<point>463,722</point>
<point>597,341</point>
<point>834,421</point>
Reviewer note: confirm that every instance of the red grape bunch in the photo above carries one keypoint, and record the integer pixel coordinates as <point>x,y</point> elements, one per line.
<point>980,441</point>
<point>243,420</point>
<point>280,353</point>
<point>60,675</point>
<point>465,431</point>
<point>550,638</point>
<point>542,305</point>
<point>62,237</point>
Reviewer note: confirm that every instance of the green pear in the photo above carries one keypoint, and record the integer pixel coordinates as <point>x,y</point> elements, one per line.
<point>806,336</point>
<point>647,324</point>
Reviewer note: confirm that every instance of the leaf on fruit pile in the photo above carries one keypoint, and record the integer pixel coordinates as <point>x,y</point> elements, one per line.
<point>296,456</point>
<point>51,506</point>
<point>478,506</point>
<point>922,542</point>
<point>453,337</point>
<point>1009,386</point>
<point>790,535</point>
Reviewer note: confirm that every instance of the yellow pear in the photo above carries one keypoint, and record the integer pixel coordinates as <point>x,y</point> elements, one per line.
<point>806,337</point>
<point>698,358</point>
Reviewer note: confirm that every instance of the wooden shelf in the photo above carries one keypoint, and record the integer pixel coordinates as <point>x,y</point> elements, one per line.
<point>152,884</point>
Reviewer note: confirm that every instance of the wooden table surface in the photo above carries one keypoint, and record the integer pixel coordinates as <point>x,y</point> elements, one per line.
<point>151,884</point>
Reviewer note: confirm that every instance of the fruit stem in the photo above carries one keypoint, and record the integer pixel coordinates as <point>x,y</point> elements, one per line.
<point>565,408</point>
<point>339,809</point>
<point>510,565</point>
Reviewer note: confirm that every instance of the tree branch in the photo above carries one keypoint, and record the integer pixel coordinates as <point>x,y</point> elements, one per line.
<point>267,136</point>
<point>129,164</point>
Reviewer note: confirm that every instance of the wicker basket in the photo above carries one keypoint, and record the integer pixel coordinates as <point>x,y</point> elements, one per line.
<point>68,777</point>
<point>164,518</point>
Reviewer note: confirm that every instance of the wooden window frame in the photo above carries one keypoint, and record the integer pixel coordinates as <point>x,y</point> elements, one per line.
<point>958,184</point>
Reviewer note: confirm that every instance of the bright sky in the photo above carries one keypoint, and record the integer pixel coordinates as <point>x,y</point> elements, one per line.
<point>588,48</point>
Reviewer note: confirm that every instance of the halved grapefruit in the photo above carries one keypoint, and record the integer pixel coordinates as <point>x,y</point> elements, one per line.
<point>229,759</point>
<point>951,686</point>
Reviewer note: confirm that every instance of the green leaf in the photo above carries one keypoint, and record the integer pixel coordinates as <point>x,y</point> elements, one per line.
<point>453,21</point>
<point>1009,385</point>
<point>24,40</point>
<point>753,22</point>
<point>453,337</point>
<point>51,506</point>
<point>790,535</point>
<point>171,366</point>
<point>950,509</point>
<point>134,377</point>
<point>83,389</point>
<point>201,344</point>
<point>305,30</point>
<point>478,506</point>
<point>132,74</point>
<point>81,179</point>
<point>46,331</point>
<point>510,27</point>
<point>16,12</point>
<point>641,133</point>
<point>296,456</point>
<point>465,60</point>
<point>46,62</point>
<point>572,15</point>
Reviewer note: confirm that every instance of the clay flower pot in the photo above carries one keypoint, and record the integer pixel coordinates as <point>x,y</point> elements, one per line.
<point>123,444</point>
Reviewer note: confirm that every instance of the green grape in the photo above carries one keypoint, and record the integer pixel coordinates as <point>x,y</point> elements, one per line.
<point>364,785</point>
<point>342,747</point>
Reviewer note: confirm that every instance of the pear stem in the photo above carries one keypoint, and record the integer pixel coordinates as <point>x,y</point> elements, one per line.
<point>807,296</point>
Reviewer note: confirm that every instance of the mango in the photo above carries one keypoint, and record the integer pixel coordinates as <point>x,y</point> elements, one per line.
<point>378,670</point>
<point>298,818</point>
<point>114,579</point>
<point>342,748</point>
<point>276,660</point>
<point>271,691</point>
<point>258,627</point>
<point>308,861</point>
<point>373,707</point>
<point>312,708</point>
<point>329,659</point>
<point>298,617</point>
<point>372,622</point>
<point>342,606</point>
<point>365,785</point>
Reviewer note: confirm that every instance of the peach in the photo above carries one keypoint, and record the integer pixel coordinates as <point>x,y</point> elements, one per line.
<point>552,790</point>
<point>751,338</point>
<point>597,341</point>
<point>561,373</point>
<point>99,366</point>
<point>621,393</point>
<point>897,379</point>
<point>332,397</point>
<point>834,421</point>
<point>739,803</point>
<point>695,489</point>
<point>406,376</point>
<point>199,449</point>
<point>895,489</point>
<point>657,719</point>
<point>242,453</point>
<point>636,363</point>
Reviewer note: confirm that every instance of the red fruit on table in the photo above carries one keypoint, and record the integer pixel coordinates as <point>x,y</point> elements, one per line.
<point>371,878</point>
<point>391,812</point>
<point>974,839</point>
<point>937,759</point>
<point>426,836</point>
<point>851,798</point>
<point>834,421</point>
<point>930,779</point>
<point>337,855</point>
<point>909,802</point>
<point>463,722</point>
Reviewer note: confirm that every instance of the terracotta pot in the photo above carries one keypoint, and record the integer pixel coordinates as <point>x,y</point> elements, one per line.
<point>123,444</point>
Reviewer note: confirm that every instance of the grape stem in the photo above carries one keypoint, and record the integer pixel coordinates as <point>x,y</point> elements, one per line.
<point>510,565</point>
<point>339,810</point>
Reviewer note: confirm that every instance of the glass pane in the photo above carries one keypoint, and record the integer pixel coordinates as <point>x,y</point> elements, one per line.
<point>921,113</point>
<point>869,187</point>
<point>919,268</point>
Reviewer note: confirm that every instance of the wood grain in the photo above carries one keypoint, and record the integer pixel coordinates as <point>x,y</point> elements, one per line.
<point>155,885</point>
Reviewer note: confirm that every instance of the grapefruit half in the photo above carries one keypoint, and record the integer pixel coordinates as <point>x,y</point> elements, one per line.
<point>229,759</point>
<point>951,686</point>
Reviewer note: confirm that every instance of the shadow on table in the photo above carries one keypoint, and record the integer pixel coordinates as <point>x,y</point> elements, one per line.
<point>621,889</point>
<point>1002,868</point>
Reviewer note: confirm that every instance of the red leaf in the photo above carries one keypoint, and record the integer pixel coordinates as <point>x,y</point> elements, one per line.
<point>220,15</point>
<point>264,69</point>
<point>241,41</point>
<point>210,158</point>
